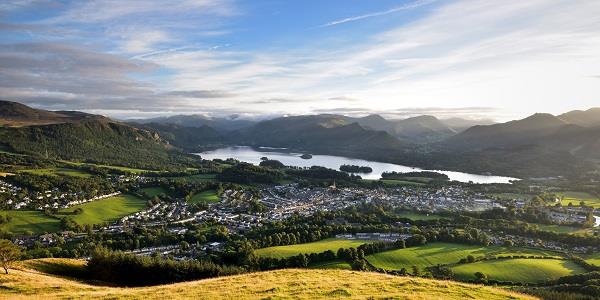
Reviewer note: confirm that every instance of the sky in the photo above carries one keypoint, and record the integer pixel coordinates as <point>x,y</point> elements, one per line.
<point>256,58</point>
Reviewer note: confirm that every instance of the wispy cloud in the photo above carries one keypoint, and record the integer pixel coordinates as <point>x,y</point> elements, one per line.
<point>415,4</point>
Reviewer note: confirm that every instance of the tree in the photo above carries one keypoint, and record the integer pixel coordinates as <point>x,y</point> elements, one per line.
<point>480,277</point>
<point>509,243</point>
<point>9,253</point>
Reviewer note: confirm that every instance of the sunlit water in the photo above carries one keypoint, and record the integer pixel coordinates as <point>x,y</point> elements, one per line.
<point>249,155</point>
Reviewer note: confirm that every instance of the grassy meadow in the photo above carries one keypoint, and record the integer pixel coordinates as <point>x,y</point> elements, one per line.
<point>57,172</point>
<point>154,191</point>
<point>31,280</point>
<point>594,259</point>
<point>315,247</point>
<point>441,253</point>
<point>576,197</point>
<point>34,221</point>
<point>209,196</point>
<point>519,270</point>
<point>106,210</point>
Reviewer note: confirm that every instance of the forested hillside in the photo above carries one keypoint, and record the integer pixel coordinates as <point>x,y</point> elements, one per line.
<point>93,141</point>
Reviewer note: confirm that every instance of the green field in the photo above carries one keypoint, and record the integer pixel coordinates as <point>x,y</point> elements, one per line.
<point>418,216</point>
<point>561,228</point>
<point>594,259</point>
<point>336,265</point>
<point>107,210</point>
<point>118,168</point>
<point>200,178</point>
<point>57,172</point>
<point>519,270</point>
<point>576,197</point>
<point>30,221</point>
<point>315,247</point>
<point>209,196</point>
<point>154,191</point>
<point>441,253</point>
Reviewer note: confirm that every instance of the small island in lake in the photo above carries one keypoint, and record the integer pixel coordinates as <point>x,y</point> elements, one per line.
<point>306,156</point>
<point>355,169</point>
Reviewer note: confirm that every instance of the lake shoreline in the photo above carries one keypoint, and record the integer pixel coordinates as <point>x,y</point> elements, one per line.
<point>289,156</point>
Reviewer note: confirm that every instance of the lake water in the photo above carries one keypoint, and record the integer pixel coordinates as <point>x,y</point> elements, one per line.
<point>250,155</point>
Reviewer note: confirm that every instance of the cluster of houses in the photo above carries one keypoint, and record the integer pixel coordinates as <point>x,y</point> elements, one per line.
<point>162,213</point>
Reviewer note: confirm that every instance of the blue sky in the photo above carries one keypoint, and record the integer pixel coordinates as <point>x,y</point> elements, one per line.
<point>466,58</point>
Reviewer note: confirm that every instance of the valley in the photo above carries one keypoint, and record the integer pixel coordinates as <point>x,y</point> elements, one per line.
<point>235,210</point>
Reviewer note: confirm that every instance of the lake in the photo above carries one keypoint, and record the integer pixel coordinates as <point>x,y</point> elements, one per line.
<point>250,155</point>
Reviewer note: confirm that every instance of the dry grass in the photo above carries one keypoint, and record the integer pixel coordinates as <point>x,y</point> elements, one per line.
<point>31,281</point>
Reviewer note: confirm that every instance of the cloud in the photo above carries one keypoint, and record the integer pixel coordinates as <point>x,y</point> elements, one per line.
<point>413,5</point>
<point>202,94</point>
<point>518,56</point>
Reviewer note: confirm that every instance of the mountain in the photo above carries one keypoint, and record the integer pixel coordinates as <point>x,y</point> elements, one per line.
<point>540,145</point>
<point>17,114</point>
<point>422,129</point>
<point>513,133</point>
<point>38,278</point>
<point>193,139</point>
<point>220,124</point>
<point>323,133</point>
<point>584,118</point>
<point>83,137</point>
<point>460,124</point>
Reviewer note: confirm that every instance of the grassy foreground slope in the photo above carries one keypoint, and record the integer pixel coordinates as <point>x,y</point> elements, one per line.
<point>31,281</point>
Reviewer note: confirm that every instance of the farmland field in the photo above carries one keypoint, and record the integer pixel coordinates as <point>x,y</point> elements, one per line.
<point>200,177</point>
<point>118,168</point>
<point>594,259</point>
<point>576,197</point>
<point>30,221</point>
<point>315,247</point>
<point>441,253</point>
<point>57,171</point>
<point>209,196</point>
<point>107,210</point>
<point>336,264</point>
<point>154,191</point>
<point>560,228</point>
<point>519,270</point>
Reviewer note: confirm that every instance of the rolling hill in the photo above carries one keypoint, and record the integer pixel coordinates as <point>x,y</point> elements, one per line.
<point>320,133</point>
<point>585,118</point>
<point>513,133</point>
<point>191,139</point>
<point>219,124</point>
<point>34,279</point>
<point>82,137</point>
<point>17,114</point>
